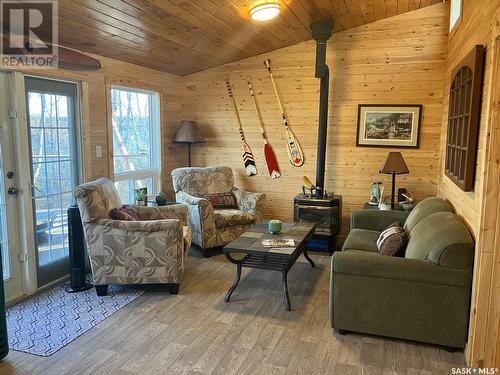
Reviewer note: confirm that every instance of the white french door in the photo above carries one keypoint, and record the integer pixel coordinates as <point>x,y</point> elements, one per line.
<point>52,120</point>
<point>40,165</point>
<point>9,218</point>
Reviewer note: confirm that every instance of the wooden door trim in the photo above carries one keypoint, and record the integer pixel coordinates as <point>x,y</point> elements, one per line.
<point>493,318</point>
<point>485,336</point>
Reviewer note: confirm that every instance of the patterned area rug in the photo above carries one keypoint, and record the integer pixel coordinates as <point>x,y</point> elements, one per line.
<point>45,323</point>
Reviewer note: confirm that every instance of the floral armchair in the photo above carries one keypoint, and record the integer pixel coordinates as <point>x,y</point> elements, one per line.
<point>215,227</point>
<point>150,251</point>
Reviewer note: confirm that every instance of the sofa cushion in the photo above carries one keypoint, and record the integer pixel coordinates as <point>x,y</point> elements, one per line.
<point>361,239</point>
<point>442,238</point>
<point>425,208</point>
<point>229,217</point>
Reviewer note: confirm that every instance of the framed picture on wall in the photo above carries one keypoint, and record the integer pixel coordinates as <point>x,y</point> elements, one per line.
<point>389,125</point>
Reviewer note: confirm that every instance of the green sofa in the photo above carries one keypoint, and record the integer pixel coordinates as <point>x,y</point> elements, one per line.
<point>423,296</point>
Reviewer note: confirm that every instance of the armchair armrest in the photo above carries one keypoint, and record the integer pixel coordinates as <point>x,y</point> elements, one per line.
<point>366,264</point>
<point>149,226</point>
<point>376,220</point>
<point>252,203</point>
<point>183,197</point>
<point>173,211</point>
<point>200,218</point>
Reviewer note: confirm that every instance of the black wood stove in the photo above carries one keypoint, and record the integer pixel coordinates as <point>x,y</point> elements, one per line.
<point>318,207</point>
<point>326,212</point>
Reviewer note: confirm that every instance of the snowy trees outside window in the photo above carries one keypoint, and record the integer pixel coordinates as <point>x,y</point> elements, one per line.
<point>136,136</point>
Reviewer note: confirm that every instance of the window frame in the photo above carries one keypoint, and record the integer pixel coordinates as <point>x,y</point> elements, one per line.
<point>156,152</point>
<point>453,28</point>
<point>462,172</point>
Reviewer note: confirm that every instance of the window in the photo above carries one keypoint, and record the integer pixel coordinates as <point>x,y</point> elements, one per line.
<point>455,11</point>
<point>136,141</point>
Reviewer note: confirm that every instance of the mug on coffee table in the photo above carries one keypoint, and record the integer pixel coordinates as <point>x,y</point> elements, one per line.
<point>275,226</point>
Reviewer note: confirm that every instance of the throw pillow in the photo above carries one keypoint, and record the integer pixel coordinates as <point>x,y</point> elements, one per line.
<point>127,213</point>
<point>221,200</point>
<point>392,241</point>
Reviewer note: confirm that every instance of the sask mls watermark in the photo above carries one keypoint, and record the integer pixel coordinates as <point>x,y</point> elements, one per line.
<point>28,34</point>
<point>474,371</point>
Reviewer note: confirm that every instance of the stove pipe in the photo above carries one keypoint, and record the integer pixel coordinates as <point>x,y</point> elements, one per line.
<point>321,32</point>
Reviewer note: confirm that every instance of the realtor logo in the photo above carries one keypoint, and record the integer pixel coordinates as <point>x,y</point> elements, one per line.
<point>28,34</point>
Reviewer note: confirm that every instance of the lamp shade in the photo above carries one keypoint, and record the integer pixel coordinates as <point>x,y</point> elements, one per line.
<point>394,164</point>
<point>188,132</point>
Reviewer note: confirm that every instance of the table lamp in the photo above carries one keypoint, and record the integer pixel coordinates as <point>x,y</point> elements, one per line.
<point>394,164</point>
<point>188,132</point>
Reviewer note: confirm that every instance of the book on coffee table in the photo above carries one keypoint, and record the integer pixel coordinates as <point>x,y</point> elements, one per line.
<point>285,242</point>
<point>282,250</point>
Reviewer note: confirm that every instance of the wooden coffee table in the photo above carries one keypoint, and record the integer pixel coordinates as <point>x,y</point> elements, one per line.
<point>255,255</point>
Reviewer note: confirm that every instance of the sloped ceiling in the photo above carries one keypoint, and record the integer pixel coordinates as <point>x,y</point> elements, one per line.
<point>186,36</point>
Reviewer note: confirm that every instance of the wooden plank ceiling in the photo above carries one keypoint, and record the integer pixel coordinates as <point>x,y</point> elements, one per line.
<point>186,36</point>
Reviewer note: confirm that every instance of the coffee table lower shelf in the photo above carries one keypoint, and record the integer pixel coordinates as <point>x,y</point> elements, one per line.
<point>266,261</point>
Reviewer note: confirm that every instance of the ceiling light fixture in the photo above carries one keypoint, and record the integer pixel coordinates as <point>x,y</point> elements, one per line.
<point>264,11</point>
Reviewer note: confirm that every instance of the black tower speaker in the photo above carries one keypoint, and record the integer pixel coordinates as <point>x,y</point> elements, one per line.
<point>77,254</point>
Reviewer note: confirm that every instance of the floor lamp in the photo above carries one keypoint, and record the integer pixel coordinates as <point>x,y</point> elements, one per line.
<point>394,164</point>
<point>188,133</point>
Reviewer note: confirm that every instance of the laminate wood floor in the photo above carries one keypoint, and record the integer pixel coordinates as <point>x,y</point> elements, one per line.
<point>196,332</point>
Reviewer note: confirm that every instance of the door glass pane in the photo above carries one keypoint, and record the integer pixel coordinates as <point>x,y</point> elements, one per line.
<point>51,126</point>
<point>4,244</point>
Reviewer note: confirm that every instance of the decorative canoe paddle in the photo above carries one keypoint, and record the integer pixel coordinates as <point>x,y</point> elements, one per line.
<point>272,163</point>
<point>247,155</point>
<point>294,151</point>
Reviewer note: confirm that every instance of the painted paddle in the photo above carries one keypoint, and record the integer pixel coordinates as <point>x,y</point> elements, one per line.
<point>272,162</point>
<point>294,151</point>
<point>247,155</point>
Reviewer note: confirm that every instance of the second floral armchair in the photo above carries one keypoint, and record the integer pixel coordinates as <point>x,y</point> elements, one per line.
<point>213,227</point>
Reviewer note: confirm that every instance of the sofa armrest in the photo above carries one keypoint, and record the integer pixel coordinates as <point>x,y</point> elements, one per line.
<point>252,203</point>
<point>173,211</point>
<point>368,264</point>
<point>376,220</point>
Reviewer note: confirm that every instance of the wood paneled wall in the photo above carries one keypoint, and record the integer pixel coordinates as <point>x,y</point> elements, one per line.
<point>96,127</point>
<point>397,60</point>
<point>479,24</point>
<point>475,27</point>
